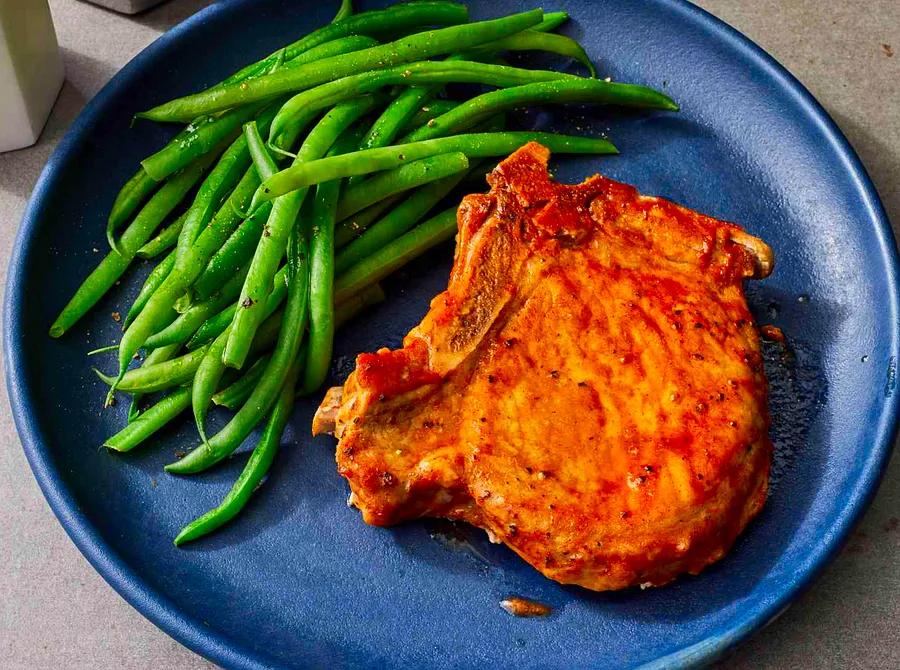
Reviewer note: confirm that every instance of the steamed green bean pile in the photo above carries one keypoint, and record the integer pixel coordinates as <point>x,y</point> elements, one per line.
<point>297,184</point>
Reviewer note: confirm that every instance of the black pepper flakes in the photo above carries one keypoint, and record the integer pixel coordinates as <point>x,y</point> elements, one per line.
<point>554,374</point>
<point>247,302</point>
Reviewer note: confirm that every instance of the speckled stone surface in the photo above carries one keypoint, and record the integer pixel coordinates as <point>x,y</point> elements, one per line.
<point>55,611</point>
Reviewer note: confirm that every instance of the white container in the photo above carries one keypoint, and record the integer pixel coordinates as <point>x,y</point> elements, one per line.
<point>31,71</point>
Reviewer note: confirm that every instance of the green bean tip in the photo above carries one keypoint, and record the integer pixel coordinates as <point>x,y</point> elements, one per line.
<point>103,350</point>
<point>278,150</point>
<point>109,380</point>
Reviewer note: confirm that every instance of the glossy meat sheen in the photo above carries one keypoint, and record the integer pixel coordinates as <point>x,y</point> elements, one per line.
<point>589,389</point>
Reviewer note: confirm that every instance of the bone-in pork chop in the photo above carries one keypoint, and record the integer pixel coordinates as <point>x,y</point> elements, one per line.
<point>588,389</point>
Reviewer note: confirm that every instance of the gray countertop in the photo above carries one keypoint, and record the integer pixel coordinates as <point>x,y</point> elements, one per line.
<point>56,612</point>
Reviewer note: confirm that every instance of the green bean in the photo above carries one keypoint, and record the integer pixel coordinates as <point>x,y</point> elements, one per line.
<point>158,377</point>
<point>398,180</point>
<point>129,198</point>
<point>533,40</point>
<point>180,370</point>
<point>256,468</point>
<point>342,45</point>
<point>198,137</point>
<point>278,227</point>
<point>212,367</point>
<point>386,260</point>
<point>138,232</point>
<point>156,356</point>
<point>154,280</point>
<point>395,116</point>
<point>141,184</point>
<point>321,283</point>
<point>395,223</point>
<point>411,48</point>
<point>181,330</point>
<point>150,421</point>
<point>424,72</point>
<point>345,10</point>
<point>102,350</point>
<point>385,128</point>
<point>262,161</point>
<point>234,253</point>
<point>209,374</point>
<point>551,21</point>
<point>400,112</point>
<point>201,140</point>
<point>290,335</point>
<point>187,269</point>
<point>212,328</point>
<point>483,106</point>
<point>237,393</point>
<point>398,17</point>
<point>217,324</point>
<point>473,145</point>
<point>239,248</point>
<point>163,240</point>
<point>422,116</point>
<point>221,181</point>
<point>353,226</point>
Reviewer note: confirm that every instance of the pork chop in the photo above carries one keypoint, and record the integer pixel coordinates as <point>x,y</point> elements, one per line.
<point>589,388</point>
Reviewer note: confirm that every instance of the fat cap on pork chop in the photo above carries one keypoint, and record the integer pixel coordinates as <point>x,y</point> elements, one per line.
<point>589,388</point>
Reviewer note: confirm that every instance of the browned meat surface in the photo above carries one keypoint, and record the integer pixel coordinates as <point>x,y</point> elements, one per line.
<point>588,389</point>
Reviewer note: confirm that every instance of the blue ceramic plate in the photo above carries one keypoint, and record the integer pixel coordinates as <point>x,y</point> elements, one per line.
<point>298,580</point>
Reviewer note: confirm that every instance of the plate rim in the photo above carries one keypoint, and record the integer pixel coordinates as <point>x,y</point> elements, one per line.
<point>216,647</point>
